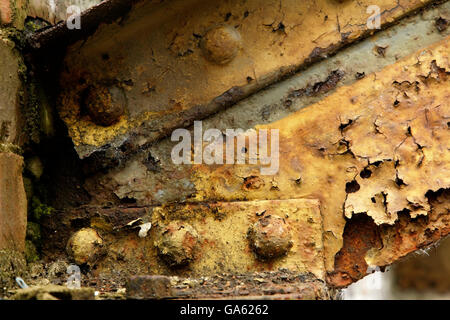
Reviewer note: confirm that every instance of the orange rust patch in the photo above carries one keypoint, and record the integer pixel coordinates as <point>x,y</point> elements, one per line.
<point>360,235</point>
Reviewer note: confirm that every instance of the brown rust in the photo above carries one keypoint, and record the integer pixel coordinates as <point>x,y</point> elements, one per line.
<point>373,152</point>
<point>360,235</point>
<point>441,24</point>
<point>220,236</point>
<point>278,285</point>
<point>270,237</point>
<point>69,221</point>
<point>319,87</point>
<point>178,40</point>
<point>221,44</point>
<point>177,244</point>
<point>371,149</point>
<point>105,104</point>
<point>366,244</point>
<point>388,154</point>
<point>85,247</point>
<point>149,287</point>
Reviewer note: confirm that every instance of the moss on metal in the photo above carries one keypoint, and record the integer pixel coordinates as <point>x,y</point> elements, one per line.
<point>12,264</point>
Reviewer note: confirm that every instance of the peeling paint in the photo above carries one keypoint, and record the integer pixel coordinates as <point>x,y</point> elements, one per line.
<point>184,85</point>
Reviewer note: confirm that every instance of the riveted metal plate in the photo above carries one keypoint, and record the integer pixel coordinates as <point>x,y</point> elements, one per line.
<point>223,247</point>
<point>158,55</point>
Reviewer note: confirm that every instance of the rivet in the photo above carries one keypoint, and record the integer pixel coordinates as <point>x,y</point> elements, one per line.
<point>85,246</point>
<point>221,44</point>
<point>105,105</point>
<point>270,237</point>
<point>177,243</point>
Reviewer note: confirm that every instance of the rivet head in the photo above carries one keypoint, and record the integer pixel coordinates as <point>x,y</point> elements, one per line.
<point>177,244</point>
<point>85,246</point>
<point>105,105</point>
<point>270,237</point>
<point>221,44</point>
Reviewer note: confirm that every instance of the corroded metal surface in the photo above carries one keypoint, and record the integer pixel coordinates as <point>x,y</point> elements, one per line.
<point>392,123</point>
<point>426,271</point>
<point>366,244</point>
<point>279,285</point>
<point>150,177</point>
<point>383,140</point>
<point>374,153</point>
<point>157,57</point>
<point>220,232</point>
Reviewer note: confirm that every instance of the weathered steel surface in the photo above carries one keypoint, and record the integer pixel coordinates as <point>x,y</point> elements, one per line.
<point>385,139</point>
<point>150,177</point>
<point>218,241</point>
<point>393,123</point>
<point>374,153</point>
<point>279,285</point>
<point>158,56</point>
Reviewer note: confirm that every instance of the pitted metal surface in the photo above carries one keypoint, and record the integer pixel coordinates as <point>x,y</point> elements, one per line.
<point>157,56</point>
<point>363,137</point>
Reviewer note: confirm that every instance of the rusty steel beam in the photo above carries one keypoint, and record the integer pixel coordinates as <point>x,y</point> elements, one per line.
<point>379,168</point>
<point>382,153</point>
<point>165,65</point>
<point>368,156</point>
<point>206,239</point>
<point>150,177</point>
<point>280,285</point>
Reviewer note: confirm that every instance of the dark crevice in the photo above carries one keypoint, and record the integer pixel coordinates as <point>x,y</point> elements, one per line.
<point>352,186</point>
<point>365,174</point>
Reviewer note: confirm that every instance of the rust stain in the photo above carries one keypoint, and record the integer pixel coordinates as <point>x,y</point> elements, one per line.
<point>360,235</point>
<point>179,83</point>
<point>377,147</point>
<point>366,244</point>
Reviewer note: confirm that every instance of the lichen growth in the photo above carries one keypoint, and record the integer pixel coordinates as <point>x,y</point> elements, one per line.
<point>12,264</point>
<point>35,109</point>
<point>31,252</point>
<point>34,232</point>
<point>39,209</point>
<point>10,147</point>
<point>19,12</point>
<point>34,24</point>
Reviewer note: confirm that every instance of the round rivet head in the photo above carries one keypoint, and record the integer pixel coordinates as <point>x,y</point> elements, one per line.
<point>105,105</point>
<point>270,237</point>
<point>177,243</point>
<point>221,44</point>
<point>85,246</point>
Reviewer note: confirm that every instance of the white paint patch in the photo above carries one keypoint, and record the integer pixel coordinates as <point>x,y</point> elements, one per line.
<point>145,228</point>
